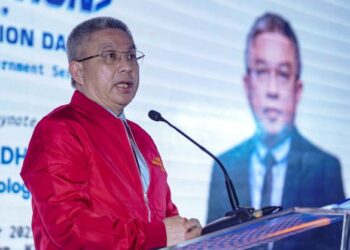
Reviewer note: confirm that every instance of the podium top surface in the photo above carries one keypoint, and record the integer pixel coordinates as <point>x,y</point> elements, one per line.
<point>266,229</point>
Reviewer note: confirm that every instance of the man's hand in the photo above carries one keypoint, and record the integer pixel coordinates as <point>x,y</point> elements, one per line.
<point>193,229</point>
<point>179,229</point>
<point>175,230</point>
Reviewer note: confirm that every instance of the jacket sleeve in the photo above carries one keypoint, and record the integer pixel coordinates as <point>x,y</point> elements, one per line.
<point>56,172</point>
<point>171,209</point>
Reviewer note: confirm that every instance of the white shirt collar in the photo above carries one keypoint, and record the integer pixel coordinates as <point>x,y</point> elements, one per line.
<point>279,152</point>
<point>121,115</point>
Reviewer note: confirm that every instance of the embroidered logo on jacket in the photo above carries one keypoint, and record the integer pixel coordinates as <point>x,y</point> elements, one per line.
<point>158,162</point>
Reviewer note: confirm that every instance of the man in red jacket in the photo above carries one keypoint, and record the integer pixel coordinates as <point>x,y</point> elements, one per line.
<point>97,179</point>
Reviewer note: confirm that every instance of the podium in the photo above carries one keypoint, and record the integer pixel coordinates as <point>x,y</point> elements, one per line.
<point>295,228</point>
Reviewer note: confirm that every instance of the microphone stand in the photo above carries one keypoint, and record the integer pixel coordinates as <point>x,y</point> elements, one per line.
<point>238,214</point>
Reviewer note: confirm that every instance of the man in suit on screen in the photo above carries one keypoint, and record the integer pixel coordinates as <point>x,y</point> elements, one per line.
<point>277,165</point>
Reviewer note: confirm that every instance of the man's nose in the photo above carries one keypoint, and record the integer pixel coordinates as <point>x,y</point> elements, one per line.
<point>272,86</point>
<point>125,64</point>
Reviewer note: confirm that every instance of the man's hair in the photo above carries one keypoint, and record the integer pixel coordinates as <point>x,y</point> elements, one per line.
<point>82,33</point>
<point>270,22</point>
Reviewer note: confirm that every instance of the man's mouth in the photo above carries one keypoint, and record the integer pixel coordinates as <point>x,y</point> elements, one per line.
<point>124,84</point>
<point>272,113</point>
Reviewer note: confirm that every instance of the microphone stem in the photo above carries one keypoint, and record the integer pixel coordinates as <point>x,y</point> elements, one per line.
<point>229,186</point>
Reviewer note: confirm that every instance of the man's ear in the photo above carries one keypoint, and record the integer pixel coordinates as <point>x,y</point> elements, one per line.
<point>247,84</point>
<point>298,90</point>
<point>76,70</point>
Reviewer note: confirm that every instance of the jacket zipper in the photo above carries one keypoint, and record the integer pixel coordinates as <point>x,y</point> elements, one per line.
<point>147,205</point>
<point>145,197</point>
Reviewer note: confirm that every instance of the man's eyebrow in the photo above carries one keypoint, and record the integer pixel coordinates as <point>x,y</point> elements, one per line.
<point>285,64</point>
<point>108,46</point>
<point>260,62</point>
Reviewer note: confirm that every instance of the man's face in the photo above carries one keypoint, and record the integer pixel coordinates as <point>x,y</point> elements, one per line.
<point>113,86</point>
<point>271,85</point>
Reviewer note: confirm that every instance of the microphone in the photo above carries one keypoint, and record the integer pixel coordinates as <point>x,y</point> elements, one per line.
<point>238,214</point>
<point>155,116</point>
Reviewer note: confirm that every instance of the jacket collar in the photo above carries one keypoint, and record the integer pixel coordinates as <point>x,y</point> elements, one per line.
<point>80,102</point>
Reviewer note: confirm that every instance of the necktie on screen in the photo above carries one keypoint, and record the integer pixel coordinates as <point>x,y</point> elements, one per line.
<point>266,193</point>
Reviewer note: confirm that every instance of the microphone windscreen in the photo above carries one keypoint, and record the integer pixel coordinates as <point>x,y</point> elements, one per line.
<point>155,116</point>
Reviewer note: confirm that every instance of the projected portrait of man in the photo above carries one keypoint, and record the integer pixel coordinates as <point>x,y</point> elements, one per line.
<point>277,165</point>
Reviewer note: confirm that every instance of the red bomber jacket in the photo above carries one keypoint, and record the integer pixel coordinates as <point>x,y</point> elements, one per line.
<point>85,184</point>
